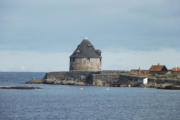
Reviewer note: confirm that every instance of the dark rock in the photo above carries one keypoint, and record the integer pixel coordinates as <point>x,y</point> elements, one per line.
<point>169,87</point>
<point>35,81</point>
<point>19,87</point>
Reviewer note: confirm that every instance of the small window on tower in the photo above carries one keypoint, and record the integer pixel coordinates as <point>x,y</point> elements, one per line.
<point>72,59</point>
<point>89,45</point>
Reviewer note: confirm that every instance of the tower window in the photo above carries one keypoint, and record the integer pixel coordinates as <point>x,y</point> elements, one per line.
<point>72,59</point>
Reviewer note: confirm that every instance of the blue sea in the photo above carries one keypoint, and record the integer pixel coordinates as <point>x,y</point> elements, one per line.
<point>61,102</point>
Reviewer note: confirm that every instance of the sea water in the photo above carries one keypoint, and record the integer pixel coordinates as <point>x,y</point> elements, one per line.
<point>64,102</point>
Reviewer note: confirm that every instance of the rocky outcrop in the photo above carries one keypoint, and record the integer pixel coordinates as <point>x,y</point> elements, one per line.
<point>106,78</point>
<point>103,78</point>
<point>115,80</point>
<point>19,87</point>
<point>168,86</point>
<point>35,81</point>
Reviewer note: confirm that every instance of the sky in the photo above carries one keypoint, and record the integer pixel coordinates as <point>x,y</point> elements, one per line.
<point>40,35</point>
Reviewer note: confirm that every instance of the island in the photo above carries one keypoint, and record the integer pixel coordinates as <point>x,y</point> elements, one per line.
<point>85,69</point>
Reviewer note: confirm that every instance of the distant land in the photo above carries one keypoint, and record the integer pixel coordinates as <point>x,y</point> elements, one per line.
<point>85,69</point>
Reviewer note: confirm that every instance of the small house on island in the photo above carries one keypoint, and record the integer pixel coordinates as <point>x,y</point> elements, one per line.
<point>158,69</point>
<point>143,81</point>
<point>176,69</point>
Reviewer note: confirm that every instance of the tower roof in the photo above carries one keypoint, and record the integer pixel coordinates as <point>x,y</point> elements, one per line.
<point>86,50</point>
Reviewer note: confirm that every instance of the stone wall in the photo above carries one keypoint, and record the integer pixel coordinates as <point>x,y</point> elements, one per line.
<point>114,72</point>
<point>70,78</point>
<point>115,80</point>
<point>103,78</point>
<point>85,64</point>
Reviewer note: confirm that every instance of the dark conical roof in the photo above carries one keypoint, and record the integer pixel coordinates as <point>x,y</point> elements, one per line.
<point>86,50</point>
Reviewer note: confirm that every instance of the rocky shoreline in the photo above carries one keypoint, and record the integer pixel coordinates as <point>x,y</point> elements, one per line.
<point>169,87</point>
<point>35,81</point>
<point>157,86</point>
<point>19,87</point>
<point>111,79</point>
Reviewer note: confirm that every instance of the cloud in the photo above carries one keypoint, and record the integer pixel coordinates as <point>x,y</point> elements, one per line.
<point>41,34</point>
<point>127,24</point>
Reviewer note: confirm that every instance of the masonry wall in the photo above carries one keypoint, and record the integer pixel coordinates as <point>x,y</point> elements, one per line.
<point>115,80</point>
<point>100,78</point>
<point>85,64</point>
<point>70,78</point>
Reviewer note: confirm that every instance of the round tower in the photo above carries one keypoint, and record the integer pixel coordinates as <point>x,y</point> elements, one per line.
<point>85,58</point>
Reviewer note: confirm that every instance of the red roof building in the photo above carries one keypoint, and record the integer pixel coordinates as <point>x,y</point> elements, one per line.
<point>176,69</point>
<point>158,69</point>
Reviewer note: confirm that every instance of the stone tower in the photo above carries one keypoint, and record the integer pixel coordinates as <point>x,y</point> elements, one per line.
<point>85,57</point>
